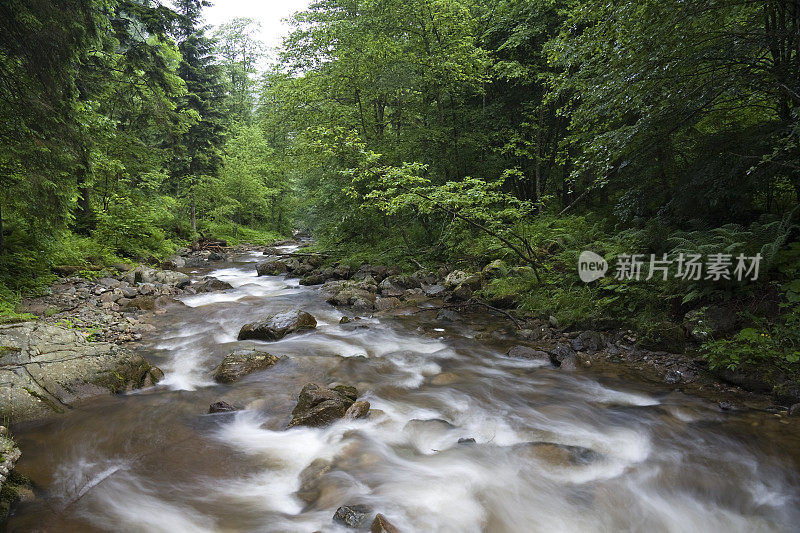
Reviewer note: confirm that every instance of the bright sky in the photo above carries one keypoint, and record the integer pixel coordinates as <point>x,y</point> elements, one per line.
<point>270,13</point>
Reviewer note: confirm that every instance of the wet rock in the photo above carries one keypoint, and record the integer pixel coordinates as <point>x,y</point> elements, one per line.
<point>310,480</point>
<point>563,356</point>
<point>559,455</point>
<point>347,391</point>
<point>221,407</point>
<point>448,315</point>
<point>345,320</point>
<point>353,516</point>
<point>47,368</point>
<point>319,406</point>
<point>445,378</point>
<point>242,362</point>
<point>210,284</point>
<point>276,327</point>
<point>359,409</point>
<point>462,293</point>
<point>525,352</point>
<point>672,377</point>
<point>271,267</point>
<point>794,410</point>
<point>468,440</point>
<point>385,304</point>
<point>313,279</point>
<point>382,525</point>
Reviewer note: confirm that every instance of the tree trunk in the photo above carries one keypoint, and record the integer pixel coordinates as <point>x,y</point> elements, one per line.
<point>194,216</point>
<point>2,241</point>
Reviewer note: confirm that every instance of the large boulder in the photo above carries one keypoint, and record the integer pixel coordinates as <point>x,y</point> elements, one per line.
<point>242,362</point>
<point>46,368</point>
<point>709,322</point>
<point>319,406</point>
<point>271,267</point>
<point>210,283</point>
<point>276,327</point>
<point>495,269</point>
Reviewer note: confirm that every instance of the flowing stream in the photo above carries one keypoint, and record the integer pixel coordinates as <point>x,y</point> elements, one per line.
<point>647,458</point>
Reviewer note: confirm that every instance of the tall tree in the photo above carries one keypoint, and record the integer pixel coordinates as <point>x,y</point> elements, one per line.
<point>203,103</point>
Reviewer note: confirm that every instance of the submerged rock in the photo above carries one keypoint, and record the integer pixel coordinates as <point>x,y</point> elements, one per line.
<point>559,455</point>
<point>46,368</point>
<point>319,406</point>
<point>242,362</point>
<point>353,516</point>
<point>275,327</point>
<point>525,352</point>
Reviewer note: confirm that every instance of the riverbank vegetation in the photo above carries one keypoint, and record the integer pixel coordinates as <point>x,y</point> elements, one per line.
<point>425,132</point>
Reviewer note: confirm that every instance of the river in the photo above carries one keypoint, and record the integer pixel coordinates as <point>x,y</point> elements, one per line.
<point>647,458</point>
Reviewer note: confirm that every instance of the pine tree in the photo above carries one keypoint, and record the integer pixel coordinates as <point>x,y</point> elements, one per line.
<point>200,155</point>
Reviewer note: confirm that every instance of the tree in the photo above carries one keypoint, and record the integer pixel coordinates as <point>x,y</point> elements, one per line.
<point>203,103</point>
<point>240,53</point>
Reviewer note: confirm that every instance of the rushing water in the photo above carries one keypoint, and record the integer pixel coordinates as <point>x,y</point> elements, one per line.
<point>154,461</point>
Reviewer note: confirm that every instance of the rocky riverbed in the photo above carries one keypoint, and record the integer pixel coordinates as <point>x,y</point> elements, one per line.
<point>299,395</point>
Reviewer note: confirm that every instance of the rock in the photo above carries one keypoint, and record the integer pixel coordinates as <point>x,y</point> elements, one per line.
<point>553,321</point>
<point>559,455</point>
<point>347,391</point>
<point>468,440</point>
<point>319,406</point>
<point>462,293</point>
<point>447,315</point>
<point>709,322</point>
<point>433,290</point>
<point>384,304</point>
<point>221,407</point>
<point>242,362</point>
<point>271,267</point>
<point>310,479</point>
<point>176,261</point>
<point>563,356</point>
<point>382,525</point>
<point>794,410</point>
<point>359,409</point>
<point>210,283</point>
<point>145,303</point>
<point>588,341</point>
<point>525,352</point>
<point>445,378</point>
<point>146,289</point>
<point>353,516</point>
<point>495,269</point>
<point>313,279</point>
<point>275,327</point>
<point>345,320</point>
<point>46,368</point>
<point>787,393</point>
<point>672,377</point>
<point>455,278</point>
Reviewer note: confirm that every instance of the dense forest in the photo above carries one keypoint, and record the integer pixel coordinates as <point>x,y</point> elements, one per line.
<point>422,132</point>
